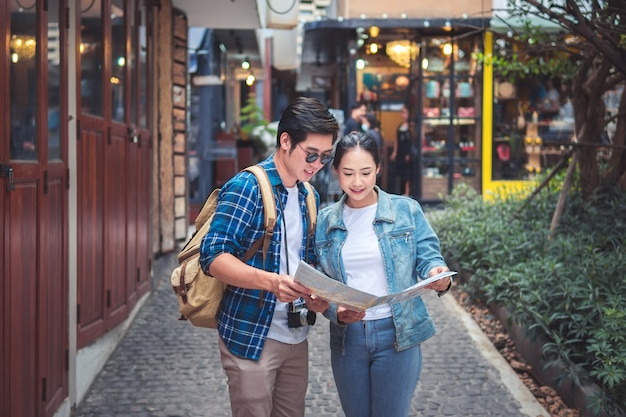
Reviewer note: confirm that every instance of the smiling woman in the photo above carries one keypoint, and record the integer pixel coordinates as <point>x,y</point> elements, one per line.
<point>381,244</point>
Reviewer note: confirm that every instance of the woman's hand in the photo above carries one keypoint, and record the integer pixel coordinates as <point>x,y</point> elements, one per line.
<point>349,316</point>
<point>442,284</point>
<point>316,304</point>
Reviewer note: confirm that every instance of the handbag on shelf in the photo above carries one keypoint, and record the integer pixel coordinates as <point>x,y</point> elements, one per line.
<point>521,120</point>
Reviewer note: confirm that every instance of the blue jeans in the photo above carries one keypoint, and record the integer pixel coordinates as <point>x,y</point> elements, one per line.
<point>372,378</point>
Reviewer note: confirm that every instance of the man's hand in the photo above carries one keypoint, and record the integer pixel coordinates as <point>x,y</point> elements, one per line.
<point>288,290</point>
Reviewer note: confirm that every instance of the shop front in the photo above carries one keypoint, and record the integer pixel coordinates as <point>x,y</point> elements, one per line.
<point>429,68</point>
<point>468,124</point>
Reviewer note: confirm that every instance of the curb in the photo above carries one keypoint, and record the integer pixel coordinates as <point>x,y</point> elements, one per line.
<point>529,404</point>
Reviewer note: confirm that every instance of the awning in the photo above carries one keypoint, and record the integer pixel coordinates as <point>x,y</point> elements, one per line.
<point>327,41</point>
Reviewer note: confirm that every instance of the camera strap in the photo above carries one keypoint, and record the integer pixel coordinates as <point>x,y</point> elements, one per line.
<point>284,227</point>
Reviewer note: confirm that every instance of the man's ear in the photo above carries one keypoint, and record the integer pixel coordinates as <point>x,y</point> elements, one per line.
<point>285,141</point>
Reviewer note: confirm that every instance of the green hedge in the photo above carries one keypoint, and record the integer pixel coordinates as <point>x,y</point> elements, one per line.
<point>570,290</point>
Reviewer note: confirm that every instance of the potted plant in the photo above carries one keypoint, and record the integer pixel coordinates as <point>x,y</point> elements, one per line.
<point>256,131</point>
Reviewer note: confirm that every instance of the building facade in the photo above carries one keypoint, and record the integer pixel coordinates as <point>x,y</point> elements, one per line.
<point>92,122</point>
<point>100,122</point>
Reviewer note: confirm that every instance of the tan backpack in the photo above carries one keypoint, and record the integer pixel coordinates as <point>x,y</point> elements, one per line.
<point>199,295</point>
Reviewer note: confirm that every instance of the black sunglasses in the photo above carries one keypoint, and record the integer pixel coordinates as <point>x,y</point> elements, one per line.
<point>312,157</point>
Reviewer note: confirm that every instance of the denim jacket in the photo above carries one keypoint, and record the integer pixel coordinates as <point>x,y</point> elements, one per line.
<point>409,248</point>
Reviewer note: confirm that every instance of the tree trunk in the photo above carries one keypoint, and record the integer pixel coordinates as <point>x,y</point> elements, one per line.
<point>616,172</point>
<point>589,108</point>
<point>560,206</point>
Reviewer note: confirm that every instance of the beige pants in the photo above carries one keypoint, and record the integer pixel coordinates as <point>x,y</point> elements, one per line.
<point>273,386</point>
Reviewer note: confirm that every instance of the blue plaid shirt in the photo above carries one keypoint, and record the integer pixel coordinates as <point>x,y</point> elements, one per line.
<point>245,315</point>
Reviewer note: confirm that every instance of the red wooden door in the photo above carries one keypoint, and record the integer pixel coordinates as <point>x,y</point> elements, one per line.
<point>116,195</point>
<point>33,210</point>
<point>90,223</point>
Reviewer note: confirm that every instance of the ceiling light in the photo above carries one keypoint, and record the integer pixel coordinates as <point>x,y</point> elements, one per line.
<point>245,64</point>
<point>447,26</point>
<point>374,31</point>
<point>373,48</point>
<point>402,52</point>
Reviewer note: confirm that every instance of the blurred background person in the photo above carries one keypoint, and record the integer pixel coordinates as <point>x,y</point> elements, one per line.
<point>401,153</point>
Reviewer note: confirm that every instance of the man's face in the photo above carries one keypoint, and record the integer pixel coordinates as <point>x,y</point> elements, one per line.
<point>359,113</point>
<point>296,164</point>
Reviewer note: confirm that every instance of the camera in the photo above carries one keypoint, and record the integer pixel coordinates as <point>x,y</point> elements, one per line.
<point>298,315</point>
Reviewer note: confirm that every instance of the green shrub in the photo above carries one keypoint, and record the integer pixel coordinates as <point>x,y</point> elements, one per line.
<point>569,290</point>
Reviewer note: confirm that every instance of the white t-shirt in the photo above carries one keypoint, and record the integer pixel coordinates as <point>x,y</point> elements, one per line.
<point>292,229</point>
<point>362,258</point>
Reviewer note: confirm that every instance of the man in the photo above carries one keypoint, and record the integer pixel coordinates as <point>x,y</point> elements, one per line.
<point>356,119</point>
<point>264,356</point>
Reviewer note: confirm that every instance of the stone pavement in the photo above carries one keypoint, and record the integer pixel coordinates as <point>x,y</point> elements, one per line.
<point>167,368</point>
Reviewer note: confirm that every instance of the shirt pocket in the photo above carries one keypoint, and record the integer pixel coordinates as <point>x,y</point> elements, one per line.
<point>324,251</point>
<point>402,246</point>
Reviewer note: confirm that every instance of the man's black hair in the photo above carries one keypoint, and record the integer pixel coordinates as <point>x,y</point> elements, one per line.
<point>306,115</point>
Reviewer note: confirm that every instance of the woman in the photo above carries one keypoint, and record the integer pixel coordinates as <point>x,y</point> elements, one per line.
<point>379,243</point>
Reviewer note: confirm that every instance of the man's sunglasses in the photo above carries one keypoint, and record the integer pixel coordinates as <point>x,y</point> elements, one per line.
<point>312,157</point>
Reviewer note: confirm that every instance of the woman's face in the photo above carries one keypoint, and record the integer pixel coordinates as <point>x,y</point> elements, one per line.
<point>357,176</point>
<point>405,114</point>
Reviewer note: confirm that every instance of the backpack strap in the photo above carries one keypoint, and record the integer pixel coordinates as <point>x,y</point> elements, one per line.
<point>269,211</point>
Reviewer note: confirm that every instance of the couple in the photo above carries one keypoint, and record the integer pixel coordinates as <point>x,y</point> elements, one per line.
<point>371,240</point>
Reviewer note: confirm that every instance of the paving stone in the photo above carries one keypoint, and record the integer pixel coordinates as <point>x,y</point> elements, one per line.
<point>163,367</point>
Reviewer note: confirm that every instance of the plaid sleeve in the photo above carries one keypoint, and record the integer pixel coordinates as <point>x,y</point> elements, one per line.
<point>238,220</point>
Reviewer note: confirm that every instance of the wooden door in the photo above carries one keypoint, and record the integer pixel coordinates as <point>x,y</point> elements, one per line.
<point>113,162</point>
<point>33,210</point>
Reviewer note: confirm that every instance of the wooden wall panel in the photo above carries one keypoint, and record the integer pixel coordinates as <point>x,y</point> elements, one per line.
<point>24,386</point>
<point>144,182</point>
<point>132,229</point>
<point>53,315</point>
<point>91,315</point>
<point>115,197</point>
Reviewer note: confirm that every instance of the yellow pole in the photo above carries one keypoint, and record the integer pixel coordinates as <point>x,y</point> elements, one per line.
<point>487,119</point>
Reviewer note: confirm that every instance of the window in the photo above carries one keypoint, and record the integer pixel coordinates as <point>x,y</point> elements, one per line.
<point>92,56</point>
<point>23,81</point>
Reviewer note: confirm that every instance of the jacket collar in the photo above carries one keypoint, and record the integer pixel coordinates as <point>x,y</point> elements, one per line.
<point>384,211</point>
